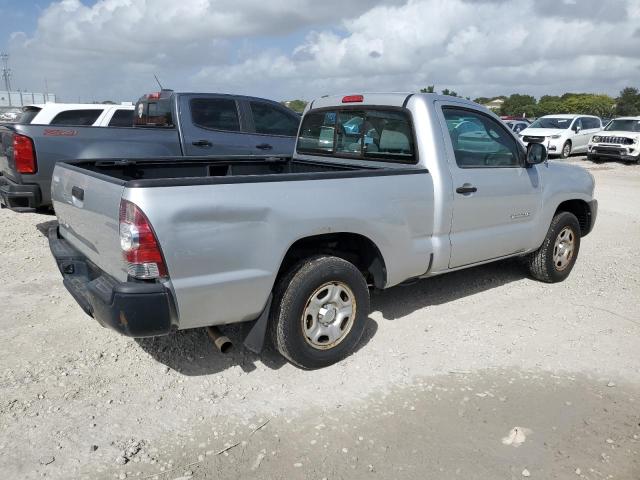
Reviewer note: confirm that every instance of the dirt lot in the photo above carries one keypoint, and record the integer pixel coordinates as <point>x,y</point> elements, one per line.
<point>448,368</point>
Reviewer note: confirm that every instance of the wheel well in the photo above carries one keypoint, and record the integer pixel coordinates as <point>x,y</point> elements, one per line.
<point>354,248</point>
<point>581,210</point>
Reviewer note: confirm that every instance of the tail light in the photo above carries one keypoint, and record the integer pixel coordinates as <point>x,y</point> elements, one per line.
<point>24,154</point>
<point>139,244</point>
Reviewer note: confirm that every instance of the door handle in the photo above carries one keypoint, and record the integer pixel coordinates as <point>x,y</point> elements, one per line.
<point>202,143</point>
<point>264,146</point>
<point>466,189</point>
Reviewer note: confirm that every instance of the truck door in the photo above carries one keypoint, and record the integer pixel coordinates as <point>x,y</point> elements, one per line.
<point>496,200</point>
<point>212,125</point>
<point>274,128</point>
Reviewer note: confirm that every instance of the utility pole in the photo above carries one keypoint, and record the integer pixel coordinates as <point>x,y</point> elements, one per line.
<point>6,74</point>
<point>6,71</point>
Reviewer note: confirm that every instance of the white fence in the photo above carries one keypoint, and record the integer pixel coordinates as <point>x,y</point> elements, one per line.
<point>19,99</point>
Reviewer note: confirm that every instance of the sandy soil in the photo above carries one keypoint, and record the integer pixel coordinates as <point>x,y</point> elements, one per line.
<point>448,367</point>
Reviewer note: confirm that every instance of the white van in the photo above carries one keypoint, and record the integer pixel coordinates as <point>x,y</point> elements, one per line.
<point>562,134</point>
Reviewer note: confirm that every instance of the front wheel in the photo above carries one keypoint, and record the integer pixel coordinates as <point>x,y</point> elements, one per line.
<point>555,259</point>
<point>566,150</point>
<point>320,312</point>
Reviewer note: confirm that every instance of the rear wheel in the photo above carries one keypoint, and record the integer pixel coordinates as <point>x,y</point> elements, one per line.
<point>320,311</point>
<point>566,150</point>
<point>555,259</point>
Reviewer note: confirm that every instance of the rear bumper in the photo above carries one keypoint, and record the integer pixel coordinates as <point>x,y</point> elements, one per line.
<point>131,308</point>
<point>18,197</point>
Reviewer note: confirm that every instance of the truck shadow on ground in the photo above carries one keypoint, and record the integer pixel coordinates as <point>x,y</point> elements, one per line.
<point>403,300</point>
<point>192,353</point>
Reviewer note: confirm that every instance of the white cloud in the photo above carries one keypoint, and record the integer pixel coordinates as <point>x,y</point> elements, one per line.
<point>478,47</point>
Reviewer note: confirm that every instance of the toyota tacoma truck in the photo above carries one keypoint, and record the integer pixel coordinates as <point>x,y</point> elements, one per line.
<point>166,124</point>
<point>620,140</point>
<point>382,189</point>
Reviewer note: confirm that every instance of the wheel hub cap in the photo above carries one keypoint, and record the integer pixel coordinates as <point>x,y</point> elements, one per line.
<point>563,249</point>
<point>328,315</point>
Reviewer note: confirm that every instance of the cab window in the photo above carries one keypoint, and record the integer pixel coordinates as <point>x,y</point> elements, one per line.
<point>479,141</point>
<point>272,120</point>
<point>215,114</point>
<point>369,134</point>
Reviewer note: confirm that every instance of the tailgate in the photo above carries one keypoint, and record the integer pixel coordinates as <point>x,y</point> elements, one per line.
<point>87,206</point>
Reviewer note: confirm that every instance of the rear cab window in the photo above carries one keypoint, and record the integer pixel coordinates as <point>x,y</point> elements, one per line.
<point>78,118</point>
<point>380,134</point>
<point>154,110</point>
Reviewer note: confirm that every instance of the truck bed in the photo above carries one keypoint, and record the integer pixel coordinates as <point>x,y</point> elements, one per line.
<point>208,170</point>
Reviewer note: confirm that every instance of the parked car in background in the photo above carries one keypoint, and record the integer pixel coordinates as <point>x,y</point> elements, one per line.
<point>620,140</point>
<point>418,185</point>
<point>517,126</point>
<point>10,116</point>
<point>562,134</point>
<point>77,114</point>
<point>166,124</point>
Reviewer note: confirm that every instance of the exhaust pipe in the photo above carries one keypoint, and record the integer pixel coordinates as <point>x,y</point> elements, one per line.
<point>221,342</point>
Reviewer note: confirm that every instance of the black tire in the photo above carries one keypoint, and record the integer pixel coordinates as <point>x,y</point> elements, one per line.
<point>566,150</point>
<point>291,298</point>
<point>542,265</point>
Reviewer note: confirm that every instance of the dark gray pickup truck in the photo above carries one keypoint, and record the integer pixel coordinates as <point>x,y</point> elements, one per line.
<point>166,124</point>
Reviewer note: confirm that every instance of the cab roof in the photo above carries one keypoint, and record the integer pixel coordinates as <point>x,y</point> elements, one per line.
<point>394,99</point>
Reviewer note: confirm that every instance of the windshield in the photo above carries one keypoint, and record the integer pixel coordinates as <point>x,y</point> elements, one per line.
<point>623,126</point>
<point>552,122</point>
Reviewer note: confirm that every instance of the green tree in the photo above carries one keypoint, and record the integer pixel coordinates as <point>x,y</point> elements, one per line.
<point>429,89</point>
<point>628,103</point>
<point>295,105</point>
<point>550,107</point>
<point>449,93</point>
<point>483,100</point>
<point>588,104</point>
<point>518,104</point>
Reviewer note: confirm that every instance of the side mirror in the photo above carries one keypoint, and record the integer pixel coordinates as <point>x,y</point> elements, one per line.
<point>536,154</point>
<point>577,129</point>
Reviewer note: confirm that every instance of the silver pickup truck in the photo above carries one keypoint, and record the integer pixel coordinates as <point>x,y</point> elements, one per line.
<point>382,189</point>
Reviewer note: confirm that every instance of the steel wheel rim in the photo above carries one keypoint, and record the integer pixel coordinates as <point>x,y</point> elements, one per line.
<point>564,249</point>
<point>567,150</point>
<point>328,316</point>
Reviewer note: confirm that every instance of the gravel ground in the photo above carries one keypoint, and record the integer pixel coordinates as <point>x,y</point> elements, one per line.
<point>448,368</point>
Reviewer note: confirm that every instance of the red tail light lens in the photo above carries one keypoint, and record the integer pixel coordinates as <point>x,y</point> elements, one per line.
<point>139,244</point>
<point>353,99</point>
<point>24,154</point>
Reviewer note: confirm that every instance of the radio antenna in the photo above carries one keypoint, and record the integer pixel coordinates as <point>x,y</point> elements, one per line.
<point>156,77</point>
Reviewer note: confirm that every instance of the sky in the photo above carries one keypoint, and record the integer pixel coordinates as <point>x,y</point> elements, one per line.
<point>285,49</point>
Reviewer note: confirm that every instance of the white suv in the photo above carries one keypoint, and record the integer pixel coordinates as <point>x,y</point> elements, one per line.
<point>563,134</point>
<point>78,114</point>
<point>620,140</point>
